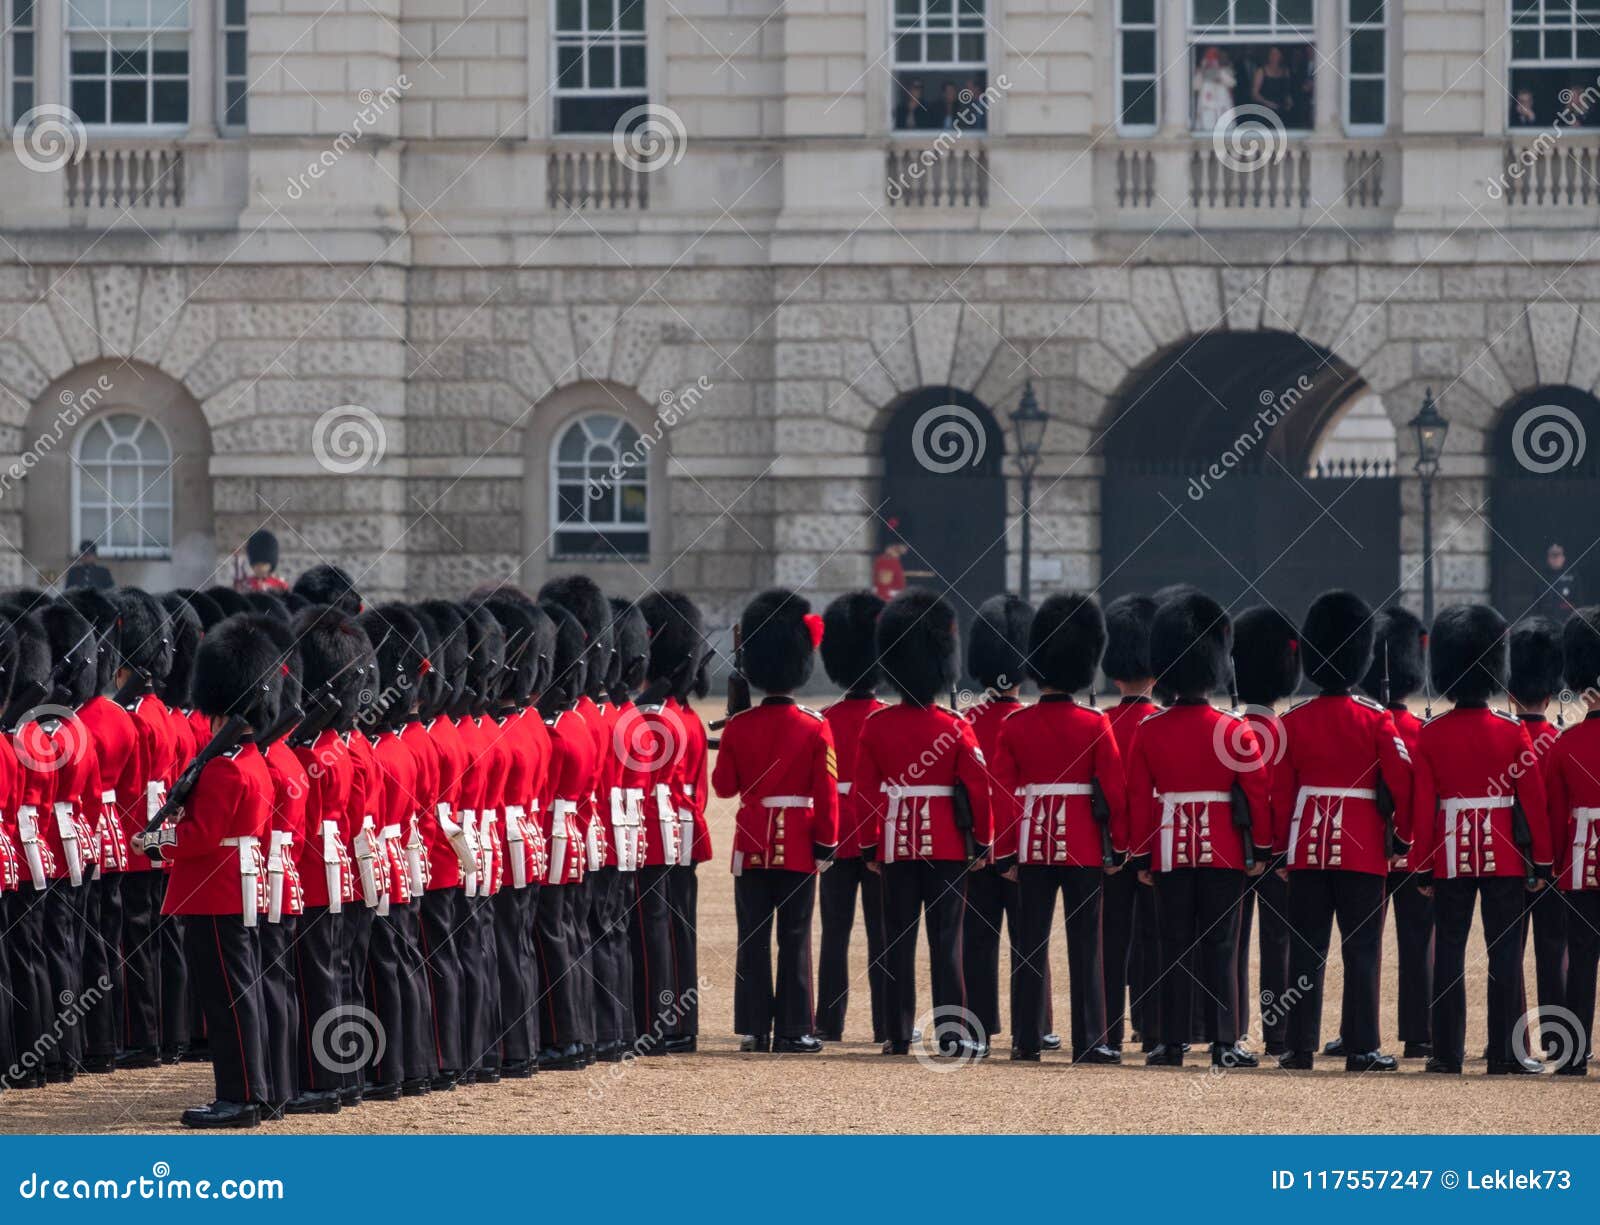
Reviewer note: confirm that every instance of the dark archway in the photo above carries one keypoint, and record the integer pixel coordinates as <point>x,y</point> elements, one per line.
<point>1209,478</point>
<point>944,491</point>
<point>1544,489</point>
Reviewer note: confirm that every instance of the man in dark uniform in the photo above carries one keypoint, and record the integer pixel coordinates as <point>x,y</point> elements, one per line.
<point>1559,595</point>
<point>86,570</point>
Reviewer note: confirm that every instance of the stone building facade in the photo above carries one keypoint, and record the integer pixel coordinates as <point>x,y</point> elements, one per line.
<point>368,268</point>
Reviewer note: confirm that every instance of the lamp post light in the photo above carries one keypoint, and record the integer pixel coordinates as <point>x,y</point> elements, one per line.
<point>1430,429</point>
<point>1029,421</point>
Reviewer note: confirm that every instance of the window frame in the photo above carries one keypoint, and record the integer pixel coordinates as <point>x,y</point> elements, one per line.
<point>585,39</point>
<point>10,111</point>
<point>1351,29</point>
<point>1153,27</point>
<point>222,75</point>
<point>107,502</point>
<point>924,65</point>
<point>68,30</point>
<point>1542,25</point>
<point>1271,32</point>
<point>557,526</point>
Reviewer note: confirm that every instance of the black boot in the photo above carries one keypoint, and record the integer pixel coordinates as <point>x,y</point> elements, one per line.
<point>1100,1053</point>
<point>1232,1055</point>
<point>1371,1061</point>
<point>222,1114</point>
<point>1164,1055</point>
<point>1297,1061</point>
<point>805,1044</point>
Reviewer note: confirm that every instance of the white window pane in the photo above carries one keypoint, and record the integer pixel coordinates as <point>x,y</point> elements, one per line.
<point>86,13</point>
<point>96,442</point>
<point>129,14</point>
<point>169,14</point>
<point>92,522</point>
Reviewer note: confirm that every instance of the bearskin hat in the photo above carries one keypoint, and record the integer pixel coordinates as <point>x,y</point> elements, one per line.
<point>632,636</point>
<point>1174,591</point>
<point>1399,649</point>
<point>204,606</point>
<point>850,641</point>
<point>677,636</point>
<point>329,584</point>
<point>544,646</point>
<point>239,671</point>
<point>581,596</point>
<point>146,644</point>
<point>486,656</point>
<point>28,599</point>
<point>30,674</point>
<point>1536,661</point>
<point>268,604</point>
<point>1266,656</point>
<point>566,661</point>
<point>103,615</point>
<point>335,652</point>
<point>1128,619</point>
<point>1065,642</point>
<point>1580,649</point>
<point>187,631</point>
<point>74,654</point>
<point>292,669</point>
<point>997,642</point>
<point>701,685</point>
<point>400,649</point>
<point>231,602</point>
<point>262,548</point>
<point>450,655</point>
<point>777,644</point>
<point>1336,640</point>
<point>434,685</point>
<point>8,659</point>
<point>522,650</point>
<point>918,645</point>
<point>1467,652</point>
<point>1190,640</point>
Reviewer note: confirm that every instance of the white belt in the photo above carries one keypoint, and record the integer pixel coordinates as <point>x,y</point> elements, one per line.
<point>897,796</point>
<point>468,826</point>
<point>67,827</point>
<point>1033,792</point>
<point>686,833</point>
<point>28,835</point>
<point>630,835</point>
<point>1170,803</point>
<point>1318,793</point>
<point>277,851</point>
<point>516,835</point>
<point>249,876</point>
<point>1453,809</point>
<point>367,850</point>
<point>1584,819</point>
<point>108,812</point>
<point>487,819</point>
<point>561,813</point>
<point>667,817</point>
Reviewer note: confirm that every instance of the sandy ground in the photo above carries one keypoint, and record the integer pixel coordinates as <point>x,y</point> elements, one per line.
<point>851,1088</point>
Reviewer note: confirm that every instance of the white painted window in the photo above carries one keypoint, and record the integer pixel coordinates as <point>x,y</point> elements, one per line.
<point>1366,83</point>
<point>941,64</point>
<point>600,490</point>
<point>1555,59</point>
<point>1138,72</point>
<point>600,62</point>
<point>22,49</point>
<point>1256,54</point>
<point>233,59</point>
<point>122,486</point>
<point>128,61</point>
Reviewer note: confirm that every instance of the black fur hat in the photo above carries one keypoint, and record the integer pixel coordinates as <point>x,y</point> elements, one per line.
<point>581,596</point>
<point>205,607</point>
<point>1536,661</point>
<point>1580,648</point>
<point>293,668</point>
<point>997,642</point>
<point>239,671</point>
<point>329,584</point>
<point>334,649</point>
<point>567,661</point>
<point>850,641</point>
<point>544,646</point>
<point>1266,656</point>
<point>187,631</point>
<point>1336,640</point>
<point>400,648</point>
<point>777,642</point>
<point>31,672</point>
<point>231,602</point>
<point>146,644</point>
<point>262,547</point>
<point>1066,641</point>
<point>677,636</point>
<point>8,659</point>
<point>1190,640</point>
<point>632,635</point>
<point>434,685</point>
<point>521,672</point>
<point>74,654</point>
<point>1468,652</point>
<point>1400,646</point>
<point>486,656</point>
<point>450,656</point>
<point>269,604</point>
<point>918,644</point>
<point>107,621</point>
<point>1128,619</point>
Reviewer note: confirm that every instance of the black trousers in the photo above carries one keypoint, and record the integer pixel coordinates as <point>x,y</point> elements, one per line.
<point>1316,898</point>
<point>1546,916</point>
<point>224,961</point>
<point>561,1018</point>
<point>610,958</point>
<point>683,887</point>
<point>439,921</point>
<point>318,956</point>
<point>102,963</point>
<point>1583,949</point>
<point>1037,887</point>
<point>142,893</point>
<point>63,957</point>
<point>381,991</point>
<point>1272,926</point>
<point>358,918</point>
<point>180,1018</point>
<point>656,1008</point>
<point>1198,912</point>
<point>480,980</point>
<point>766,898</point>
<point>836,894</point>
<point>1413,933</point>
<point>1119,905</point>
<point>582,941</point>
<point>419,1062</point>
<point>33,1008</point>
<point>992,898</point>
<point>514,915</point>
<point>280,1009</point>
<point>1144,966</point>
<point>911,888</point>
<point>1241,958</point>
<point>1504,899</point>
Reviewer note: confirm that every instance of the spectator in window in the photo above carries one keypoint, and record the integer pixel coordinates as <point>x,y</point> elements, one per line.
<point>1305,76</point>
<point>978,116</point>
<point>1559,598</point>
<point>1273,85</point>
<point>1214,82</point>
<point>912,112</point>
<point>86,570</point>
<point>1522,112</point>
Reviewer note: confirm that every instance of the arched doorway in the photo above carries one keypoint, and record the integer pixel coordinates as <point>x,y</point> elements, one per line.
<point>1221,470</point>
<point>1543,490</point>
<point>944,495</point>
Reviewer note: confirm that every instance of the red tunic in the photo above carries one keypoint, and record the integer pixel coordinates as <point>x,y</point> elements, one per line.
<point>1049,756</point>
<point>987,718</point>
<point>1324,788</point>
<point>12,868</point>
<point>1572,775</point>
<point>778,758</point>
<point>227,816</point>
<point>653,741</point>
<point>495,764</point>
<point>291,793</point>
<point>846,718</point>
<point>907,764</point>
<point>37,837</point>
<point>425,828</point>
<point>1472,763</point>
<point>1125,718</point>
<point>397,815</point>
<point>1408,727</point>
<point>158,753</point>
<point>691,786</point>
<point>1180,789</point>
<point>572,767</point>
<point>323,856</point>
<point>444,865</point>
<point>522,845</point>
<point>631,781</point>
<point>116,739</point>
<point>77,806</point>
<point>362,821</point>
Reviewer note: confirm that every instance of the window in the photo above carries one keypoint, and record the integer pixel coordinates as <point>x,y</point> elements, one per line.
<point>600,490</point>
<point>940,64</point>
<point>128,61</point>
<point>1555,55</point>
<point>599,63</point>
<point>1253,53</point>
<point>1366,91</point>
<point>235,60</point>
<point>21,68</point>
<point>1137,77</point>
<point>122,486</point>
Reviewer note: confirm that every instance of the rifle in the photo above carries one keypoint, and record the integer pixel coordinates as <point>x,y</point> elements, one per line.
<point>738,688</point>
<point>324,708</point>
<point>281,726</point>
<point>226,738</point>
<point>961,803</point>
<point>1391,843</point>
<point>1101,808</point>
<point>135,687</point>
<point>1240,804</point>
<point>1522,835</point>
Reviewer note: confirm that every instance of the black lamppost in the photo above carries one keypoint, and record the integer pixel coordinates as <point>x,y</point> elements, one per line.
<point>1029,421</point>
<point>1430,427</point>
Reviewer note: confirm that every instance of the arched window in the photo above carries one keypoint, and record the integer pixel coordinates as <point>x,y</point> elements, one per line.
<point>600,490</point>
<point>122,487</point>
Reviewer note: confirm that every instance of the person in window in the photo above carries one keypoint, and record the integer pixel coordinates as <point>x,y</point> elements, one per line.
<point>1305,84</point>
<point>950,107</point>
<point>1213,89</point>
<point>86,570</point>
<point>1559,597</point>
<point>261,551</point>
<point>913,112</point>
<point>978,116</point>
<point>1522,113</point>
<point>1273,85</point>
